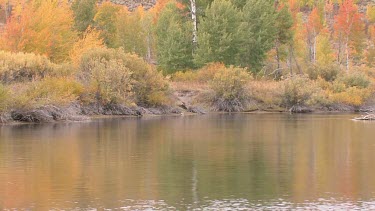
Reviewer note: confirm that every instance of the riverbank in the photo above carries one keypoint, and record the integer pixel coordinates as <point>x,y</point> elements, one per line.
<point>77,112</point>
<point>111,82</point>
<point>187,102</point>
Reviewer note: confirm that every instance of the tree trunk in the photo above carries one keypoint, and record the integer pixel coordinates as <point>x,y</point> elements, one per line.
<point>347,54</point>
<point>277,55</point>
<point>148,56</point>
<point>291,60</point>
<point>314,50</point>
<point>295,60</point>
<point>7,5</point>
<point>278,72</point>
<point>194,19</point>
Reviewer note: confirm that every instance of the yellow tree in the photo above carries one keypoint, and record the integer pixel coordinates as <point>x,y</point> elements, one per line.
<point>43,27</point>
<point>90,39</point>
<point>324,51</point>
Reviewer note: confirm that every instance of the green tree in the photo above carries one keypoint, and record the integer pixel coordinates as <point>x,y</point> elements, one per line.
<point>84,12</point>
<point>106,19</point>
<point>258,32</point>
<point>239,3</point>
<point>131,33</point>
<point>284,35</point>
<point>174,46</point>
<point>218,39</point>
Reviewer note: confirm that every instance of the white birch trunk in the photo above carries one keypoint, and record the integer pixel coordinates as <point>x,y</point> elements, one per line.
<point>194,19</point>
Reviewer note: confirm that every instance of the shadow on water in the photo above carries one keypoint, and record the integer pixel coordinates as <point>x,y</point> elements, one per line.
<point>250,161</point>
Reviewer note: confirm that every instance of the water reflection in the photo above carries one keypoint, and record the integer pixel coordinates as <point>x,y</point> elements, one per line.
<point>198,162</point>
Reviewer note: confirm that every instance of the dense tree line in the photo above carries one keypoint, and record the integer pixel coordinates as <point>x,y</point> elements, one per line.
<point>261,35</point>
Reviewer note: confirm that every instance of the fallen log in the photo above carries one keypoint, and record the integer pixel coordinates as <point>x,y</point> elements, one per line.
<point>367,117</point>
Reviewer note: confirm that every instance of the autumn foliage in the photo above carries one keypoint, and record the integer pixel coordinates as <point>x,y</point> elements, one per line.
<point>279,53</point>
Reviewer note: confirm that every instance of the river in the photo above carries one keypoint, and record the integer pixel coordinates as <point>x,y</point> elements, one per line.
<point>210,162</point>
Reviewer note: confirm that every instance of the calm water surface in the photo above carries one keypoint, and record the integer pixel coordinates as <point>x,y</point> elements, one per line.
<point>212,162</point>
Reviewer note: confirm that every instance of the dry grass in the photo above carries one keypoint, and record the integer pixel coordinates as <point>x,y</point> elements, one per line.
<point>267,92</point>
<point>189,86</point>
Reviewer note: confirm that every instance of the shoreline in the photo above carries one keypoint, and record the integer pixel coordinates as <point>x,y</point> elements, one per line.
<point>76,113</point>
<point>185,103</point>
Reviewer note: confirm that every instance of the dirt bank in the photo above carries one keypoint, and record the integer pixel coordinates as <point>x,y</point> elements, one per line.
<point>187,101</point>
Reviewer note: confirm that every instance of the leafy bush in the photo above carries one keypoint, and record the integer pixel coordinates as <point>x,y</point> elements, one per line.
<point>351,96</point>
<point>351,88</point>
<point>208,72</point>
<point>49,91</point>
<point>201,75</point>
<point>298,90</point>
<point>337,86</point>
<point>63,70</point>
<point>4,98</point>
<point>327,72</point>
<point>187,76</point>
<point>228,85</point>
<point>21,67</point>
<point>355,79</point>
<point>109,81</point>
<point>148,85</point>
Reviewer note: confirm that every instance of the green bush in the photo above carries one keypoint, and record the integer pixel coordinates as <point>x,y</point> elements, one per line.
<point>148,85</point>
<point>327,72</point>
<point>49,91</point>
<point>108,81</point>
<point>338,86</point>
<point>22,67</point>
<point>354,79</point>
<point>299,90</point>
<point>186,76</point>
<point>201,75</point>
<point>4,98</point>
<point>351,96</point>
<point>228,85</point>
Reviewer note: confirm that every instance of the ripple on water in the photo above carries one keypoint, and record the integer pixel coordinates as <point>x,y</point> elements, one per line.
<point>241,204</point>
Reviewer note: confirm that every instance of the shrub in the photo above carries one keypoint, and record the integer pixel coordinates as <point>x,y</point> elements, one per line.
<point>327,72</point>
<point>228,85</point>
<point>351,96</point>
<point>208,72</point>
<point>49,91</point>
<point>148,85</point>
<point>4,98</point>
<point>298,90</point>
<point>109,81</point>
<point>338,86</point>
<point>354,79</point>
<point>21,67</point>
<point>187,76</point>
<point>62,70</point>
<point>201,75</point>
